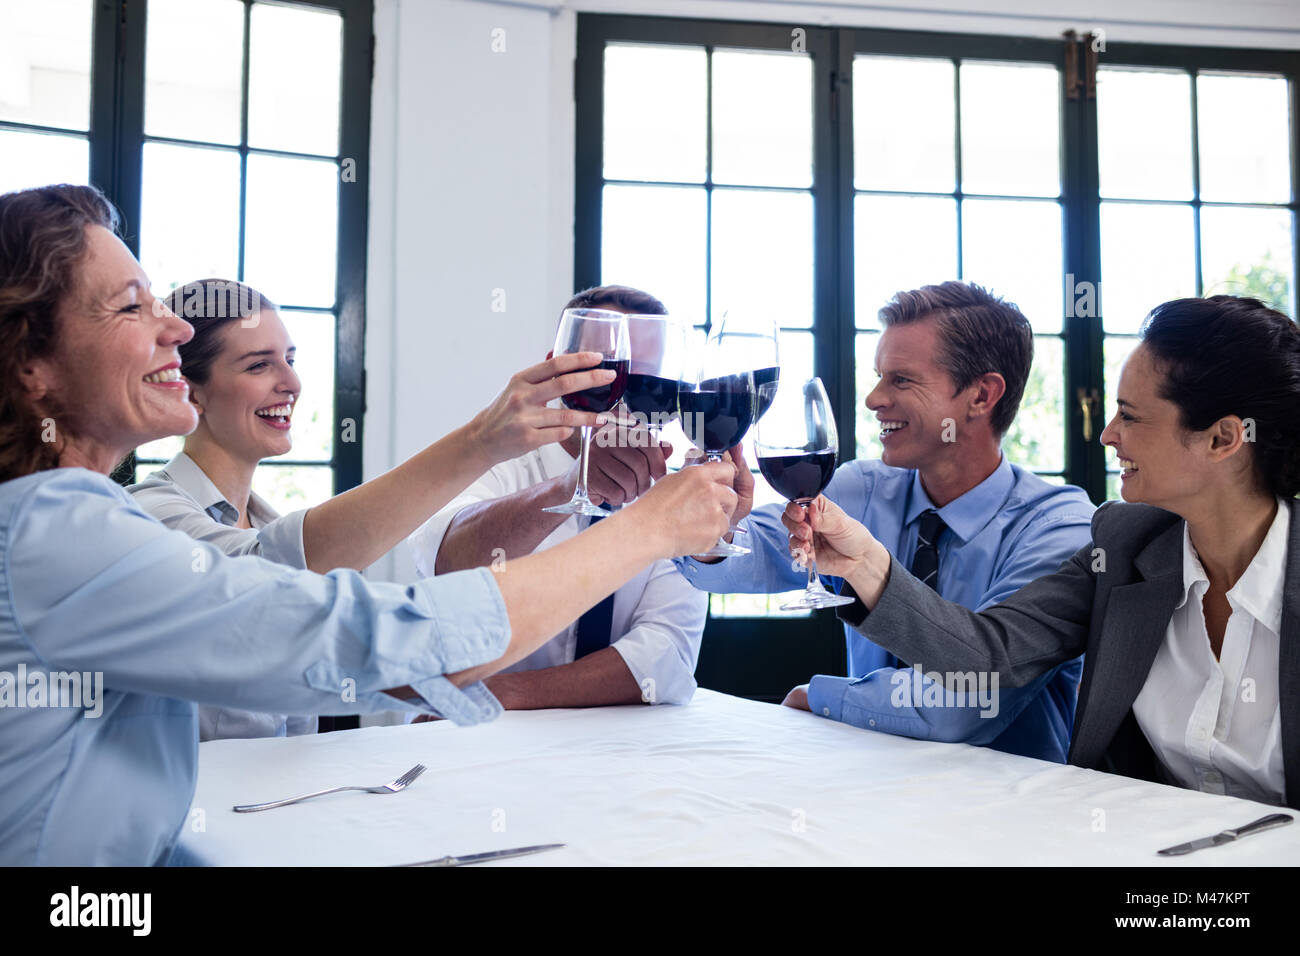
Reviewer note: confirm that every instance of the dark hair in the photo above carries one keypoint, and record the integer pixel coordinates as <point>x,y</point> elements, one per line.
<point>42,249</point>
<point>1230,355</point>
<point>978,333</point>
<point>629,300</point>
<point>210,305</point>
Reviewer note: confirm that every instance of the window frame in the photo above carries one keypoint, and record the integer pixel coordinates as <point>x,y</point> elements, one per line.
<point>117,141</point>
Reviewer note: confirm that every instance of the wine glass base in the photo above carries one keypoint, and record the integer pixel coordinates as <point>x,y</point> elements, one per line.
<point>722,550</point>
<point>813,601</point>
<point>578,508</point>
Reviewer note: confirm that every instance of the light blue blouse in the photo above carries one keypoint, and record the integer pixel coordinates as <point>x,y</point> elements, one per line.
<point>92,585</point>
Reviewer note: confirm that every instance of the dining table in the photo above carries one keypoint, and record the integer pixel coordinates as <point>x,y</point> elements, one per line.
<point>720,781</point>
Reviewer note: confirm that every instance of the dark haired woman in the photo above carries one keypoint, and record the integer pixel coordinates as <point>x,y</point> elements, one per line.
<point>1187,604</point>
<point>240,369</point>
<point>149,621</point>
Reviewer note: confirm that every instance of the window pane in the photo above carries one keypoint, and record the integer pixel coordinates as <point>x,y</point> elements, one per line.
<point>903,124</point>
<point>45,63</point>
<point>194,59</point>
<point>42,159</point>
<point>313,414</point>
<point>295,62</point>
<point>1116,350</point>
<point>763,255</point>
<point>868,430</point>
<point>653,238</point>
<point>292,229</point>
<point>1036,439</point>
<point>1112,487</point>
<point>289,488</point>
<point>1014,249</point>
<point>901,242</point>
<point>1010,129</point>
<point>762,118</point>
<point>189,215</point>
<point>163,449</point>
<point>1243,125</point>
<point>1148,256</point>
<point>1248,252</point>
<point>1144,134</point>
<point>655,113</point>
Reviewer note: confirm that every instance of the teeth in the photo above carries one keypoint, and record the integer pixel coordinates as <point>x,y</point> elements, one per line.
<point>892,427</point>
<point>166,375</point>
<point>276,411</point>
<point>1127,465</point>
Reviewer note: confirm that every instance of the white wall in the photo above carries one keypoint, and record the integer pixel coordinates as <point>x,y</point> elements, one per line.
<point>471,185</point>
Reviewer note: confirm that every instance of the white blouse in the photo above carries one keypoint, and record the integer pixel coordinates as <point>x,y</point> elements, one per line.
<point>1216,725</point>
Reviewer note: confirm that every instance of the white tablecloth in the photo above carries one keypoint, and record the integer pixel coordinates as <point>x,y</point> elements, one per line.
<point>720,781</point>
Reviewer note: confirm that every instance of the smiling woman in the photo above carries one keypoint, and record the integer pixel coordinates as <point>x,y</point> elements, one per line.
<point>90,583</point>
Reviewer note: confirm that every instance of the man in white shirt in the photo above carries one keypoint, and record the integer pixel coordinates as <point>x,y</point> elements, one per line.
<point>638,646</point>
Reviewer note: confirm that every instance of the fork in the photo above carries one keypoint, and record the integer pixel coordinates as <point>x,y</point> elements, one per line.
<point>395,786</point>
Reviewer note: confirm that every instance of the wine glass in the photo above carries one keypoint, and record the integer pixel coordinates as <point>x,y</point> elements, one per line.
<point>719,401</point>
<point>796,445</point>
<point>655,374</point>
<point>755,343</point>
<point>592,330</point>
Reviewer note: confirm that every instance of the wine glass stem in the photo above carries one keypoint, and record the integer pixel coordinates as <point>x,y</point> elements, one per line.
<point>585,456</point>
<point>813,583</point>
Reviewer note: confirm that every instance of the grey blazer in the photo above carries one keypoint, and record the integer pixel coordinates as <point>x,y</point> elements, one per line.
<point>1117,617</point>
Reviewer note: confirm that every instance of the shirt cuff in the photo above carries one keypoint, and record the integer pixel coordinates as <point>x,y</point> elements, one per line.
<point>281,540</point>
<point>826,695</point>
<point>463,706</point>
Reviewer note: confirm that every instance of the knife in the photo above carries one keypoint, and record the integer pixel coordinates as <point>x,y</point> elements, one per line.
<point>1227,836</point>
<point>484,857</point>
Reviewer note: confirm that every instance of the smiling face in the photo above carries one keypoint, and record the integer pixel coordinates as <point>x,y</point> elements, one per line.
<point>1163,463</point>
<point>113,380</point>
<point>246,405</point>
<point>914,396</point>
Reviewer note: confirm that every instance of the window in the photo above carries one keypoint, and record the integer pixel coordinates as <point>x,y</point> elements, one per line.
<point>769,165</point>
<point>227,132</point>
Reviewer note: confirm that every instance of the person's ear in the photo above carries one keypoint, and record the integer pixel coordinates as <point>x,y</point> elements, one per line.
<point>195,399</point>
<point>38,379</point>
<point>1227,436</point>
<point>988,390</point>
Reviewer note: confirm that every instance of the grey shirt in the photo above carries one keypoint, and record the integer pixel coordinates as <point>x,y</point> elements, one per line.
<point>183,498</point>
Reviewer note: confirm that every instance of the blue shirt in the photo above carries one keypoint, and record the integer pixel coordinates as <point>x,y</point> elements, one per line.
<point>1008,530</point>
<point>91,585</point>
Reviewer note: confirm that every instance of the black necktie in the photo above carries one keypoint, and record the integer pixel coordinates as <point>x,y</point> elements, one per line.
<point>594,627</point>
<point>925,562</point>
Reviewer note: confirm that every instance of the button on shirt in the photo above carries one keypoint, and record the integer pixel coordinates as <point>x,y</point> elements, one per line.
<point>1008,530</point>
<point>92,584</point>
<point>184,498</point>
<point>1216,725</point>
<point>658,618</point>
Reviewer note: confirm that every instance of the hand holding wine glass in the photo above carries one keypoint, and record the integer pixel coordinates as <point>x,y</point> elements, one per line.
<point>603,332</point>
<point>797,445</point>
<point>840,544</point>
<point>518,419</point>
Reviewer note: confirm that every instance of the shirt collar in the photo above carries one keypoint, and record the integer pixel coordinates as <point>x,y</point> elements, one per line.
<point>185,473</point>
<point>966,514</point>
<point>1258,592</point>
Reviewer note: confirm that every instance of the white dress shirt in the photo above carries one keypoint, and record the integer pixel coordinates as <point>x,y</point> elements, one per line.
<point>183,498</point>
<point>658,616</point>
<point>1215,725</point>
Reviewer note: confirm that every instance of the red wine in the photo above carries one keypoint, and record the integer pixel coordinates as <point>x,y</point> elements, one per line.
<point>765,376</point>
<point>653,397</point>
<point>799,477</point>
<point>603,397</point>
<point>717,415</point>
